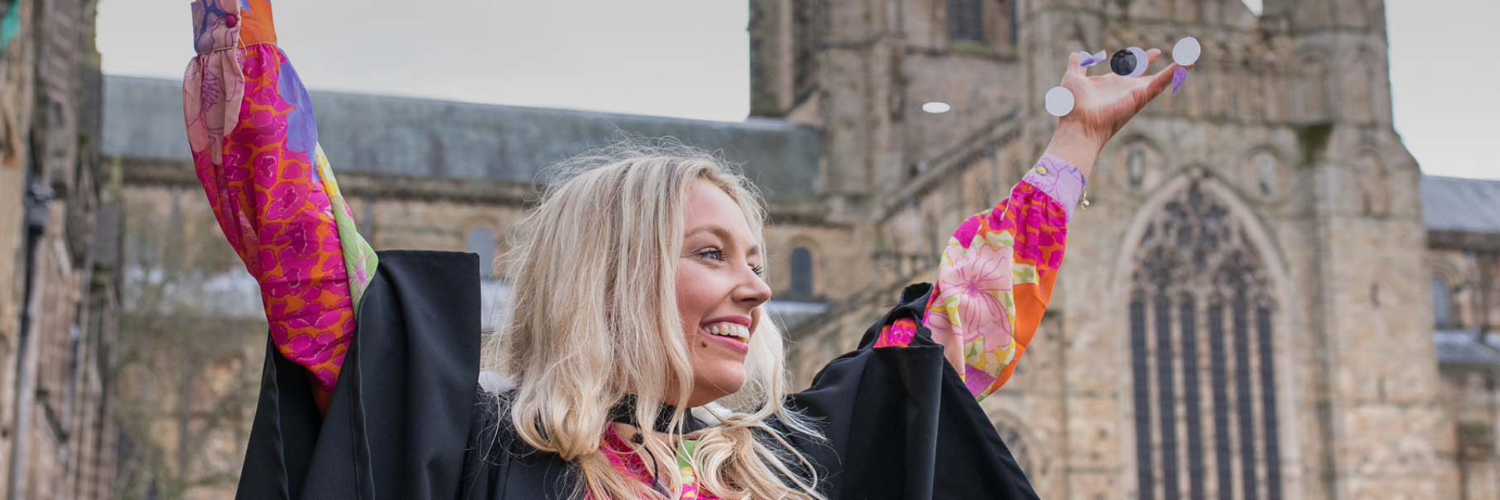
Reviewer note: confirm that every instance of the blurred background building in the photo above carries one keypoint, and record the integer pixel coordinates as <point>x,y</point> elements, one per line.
<point>1265,299</point>
<point>59,258</point>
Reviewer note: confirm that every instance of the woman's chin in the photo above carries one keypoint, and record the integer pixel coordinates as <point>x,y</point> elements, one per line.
<point>716,384</point>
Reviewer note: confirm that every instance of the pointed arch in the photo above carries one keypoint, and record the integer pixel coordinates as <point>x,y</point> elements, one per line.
<point>1448,281</point>
<point>1442,302</point>
<point>1204,309</point>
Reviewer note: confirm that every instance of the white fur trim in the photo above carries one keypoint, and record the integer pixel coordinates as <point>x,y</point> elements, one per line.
<point>495,383</point>
<point>707,413</point>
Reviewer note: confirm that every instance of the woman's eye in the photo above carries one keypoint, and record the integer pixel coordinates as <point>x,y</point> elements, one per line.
<point>714,254</point>
<point>718,255</point>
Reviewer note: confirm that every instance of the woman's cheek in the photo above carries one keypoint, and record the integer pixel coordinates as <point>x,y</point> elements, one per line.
<point>689,297</point>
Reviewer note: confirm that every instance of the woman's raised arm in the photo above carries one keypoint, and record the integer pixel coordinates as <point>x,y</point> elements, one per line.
<point>998,270</point>
<point>255,148</point>
<point>996,277</point>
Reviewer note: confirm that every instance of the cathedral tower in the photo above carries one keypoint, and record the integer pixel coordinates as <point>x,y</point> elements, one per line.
<point>1242,315</point>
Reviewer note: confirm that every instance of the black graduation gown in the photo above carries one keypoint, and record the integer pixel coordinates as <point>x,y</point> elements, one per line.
<point>408,420</point>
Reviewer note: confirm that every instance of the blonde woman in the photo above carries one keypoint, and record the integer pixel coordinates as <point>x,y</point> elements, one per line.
<point>637,362</point>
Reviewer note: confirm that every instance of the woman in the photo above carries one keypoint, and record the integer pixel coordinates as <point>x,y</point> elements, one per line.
<point>638,298</point>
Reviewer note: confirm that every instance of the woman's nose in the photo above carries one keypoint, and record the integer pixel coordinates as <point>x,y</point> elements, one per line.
<point>753,291</point>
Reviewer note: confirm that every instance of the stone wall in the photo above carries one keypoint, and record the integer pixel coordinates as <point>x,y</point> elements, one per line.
<point>1470,398</point>
<point>192,345</point>
<point>59,286</point>
<point>440,214</point>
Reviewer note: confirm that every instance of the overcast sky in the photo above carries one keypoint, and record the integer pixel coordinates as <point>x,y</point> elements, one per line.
<point>689,58</point>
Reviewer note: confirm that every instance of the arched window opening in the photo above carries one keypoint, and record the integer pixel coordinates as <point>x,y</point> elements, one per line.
<point>802,273</point>
<point>1442,303</point>
<point>966,20</point>
<point>1201,320</point>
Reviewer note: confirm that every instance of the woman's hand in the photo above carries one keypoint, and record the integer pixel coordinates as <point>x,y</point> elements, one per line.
<point>1102,106</point>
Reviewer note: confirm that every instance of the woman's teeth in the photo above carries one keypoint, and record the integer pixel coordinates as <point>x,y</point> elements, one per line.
<point>734,330</point>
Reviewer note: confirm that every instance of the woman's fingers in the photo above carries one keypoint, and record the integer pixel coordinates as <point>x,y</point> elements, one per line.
<point>1160,81</point>
<point>1075,65</point>
<point>1152,55</point>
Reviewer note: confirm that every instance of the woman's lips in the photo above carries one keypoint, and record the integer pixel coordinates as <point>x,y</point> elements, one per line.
<point>729,343</point>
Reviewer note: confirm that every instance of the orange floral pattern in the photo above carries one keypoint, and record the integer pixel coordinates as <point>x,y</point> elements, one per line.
<point>996,278</point>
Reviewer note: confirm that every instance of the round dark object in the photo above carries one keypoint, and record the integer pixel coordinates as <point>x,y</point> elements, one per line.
<point>1122,63</point>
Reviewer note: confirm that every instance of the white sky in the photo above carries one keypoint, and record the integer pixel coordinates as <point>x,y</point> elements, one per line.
<point>690,58</point>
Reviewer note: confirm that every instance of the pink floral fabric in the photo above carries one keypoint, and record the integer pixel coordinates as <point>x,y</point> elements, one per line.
<point>996,278</point>
<point>628,462</point>
<point>254,146</point>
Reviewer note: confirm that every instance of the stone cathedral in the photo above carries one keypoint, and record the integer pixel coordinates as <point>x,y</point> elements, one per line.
<point>1244,309</point>
<point>1265,298</point>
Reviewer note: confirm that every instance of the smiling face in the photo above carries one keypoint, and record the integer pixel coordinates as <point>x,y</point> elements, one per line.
<point>719,289</point>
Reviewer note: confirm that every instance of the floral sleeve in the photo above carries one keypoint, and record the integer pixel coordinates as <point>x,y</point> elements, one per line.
<point>255,148</point>
<point>996,278</point>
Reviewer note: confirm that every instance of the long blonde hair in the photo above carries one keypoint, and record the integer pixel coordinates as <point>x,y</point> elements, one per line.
<point>594,319</point>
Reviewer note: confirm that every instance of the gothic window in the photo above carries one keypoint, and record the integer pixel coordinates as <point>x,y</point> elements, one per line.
<point>809,23</point>
<point>802,273</point>
<point>1201,318</point>
<point>482,242</point>
<point>1442,302</point>
<point>966,20</point>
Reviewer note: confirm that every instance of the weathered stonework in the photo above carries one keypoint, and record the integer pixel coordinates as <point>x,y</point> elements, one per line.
<point>59,283</point>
